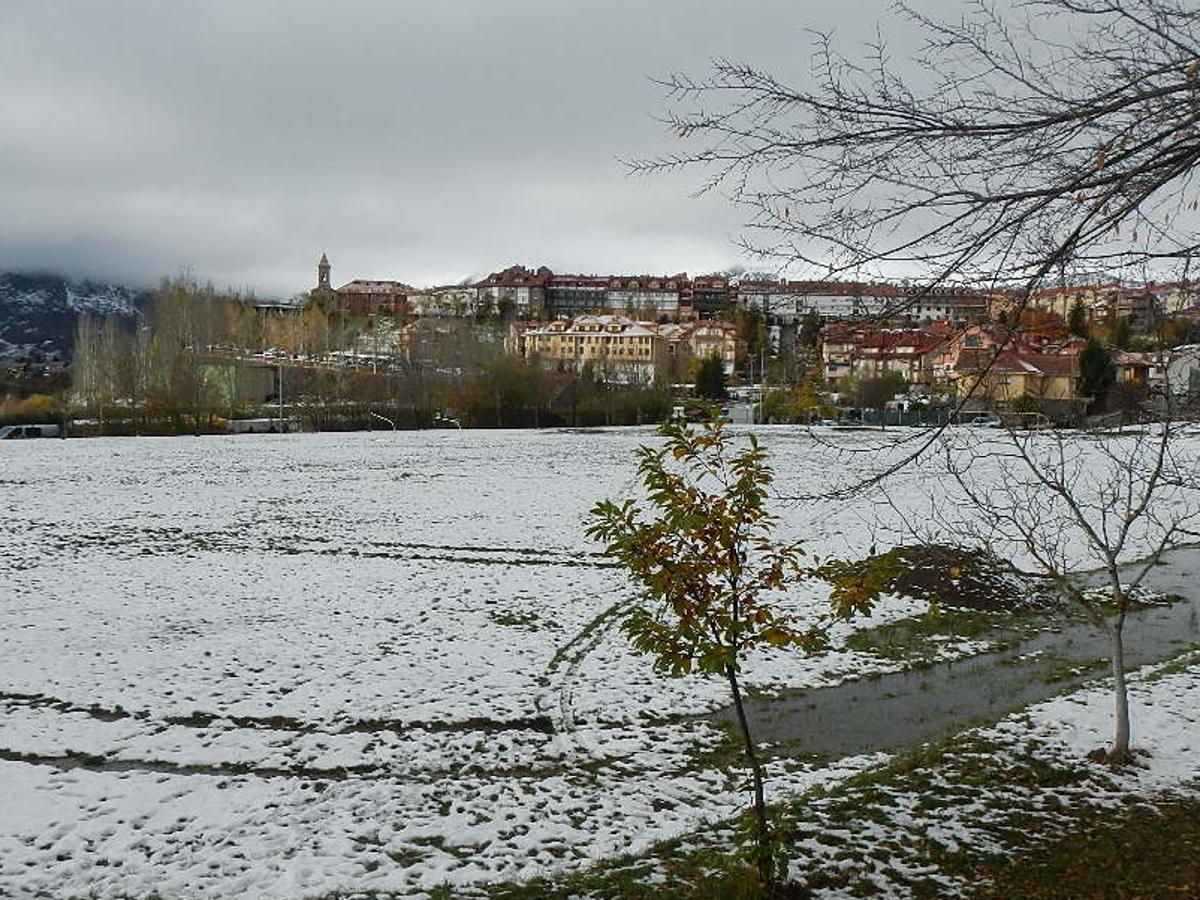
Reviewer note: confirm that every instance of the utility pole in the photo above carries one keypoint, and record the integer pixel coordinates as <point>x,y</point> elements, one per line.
<point>762,365</point>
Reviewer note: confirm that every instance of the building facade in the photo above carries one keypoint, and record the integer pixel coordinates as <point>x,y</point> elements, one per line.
<point>616,349</point>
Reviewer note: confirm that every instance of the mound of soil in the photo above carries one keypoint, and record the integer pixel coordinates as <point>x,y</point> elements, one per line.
<point>957,578</point>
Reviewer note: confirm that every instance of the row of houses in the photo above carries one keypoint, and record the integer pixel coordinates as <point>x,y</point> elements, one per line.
<point>541,293</point>
<point>994,365</point>
<point>1141,304</point>
<point>529,293</point>
<point>788,302</point>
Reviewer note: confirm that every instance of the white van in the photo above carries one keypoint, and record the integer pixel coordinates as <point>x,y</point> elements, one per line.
<point>19,432</point>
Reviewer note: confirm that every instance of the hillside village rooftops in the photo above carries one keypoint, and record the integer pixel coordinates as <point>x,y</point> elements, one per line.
<point>879,340</point>
<point>600,324</point>
<point>857,289</point>
<point>365,286</point>
<point>516,276</point>
<point>1008,362</point>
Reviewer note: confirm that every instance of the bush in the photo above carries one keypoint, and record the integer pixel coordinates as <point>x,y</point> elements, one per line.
<point>36,409</point>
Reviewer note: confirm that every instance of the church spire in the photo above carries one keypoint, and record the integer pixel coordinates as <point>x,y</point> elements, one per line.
<point>323,274</point>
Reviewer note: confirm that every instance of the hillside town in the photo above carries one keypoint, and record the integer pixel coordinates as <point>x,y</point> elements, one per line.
<point>540,450</point>
<point>526,347</point>
<point>950,341</point>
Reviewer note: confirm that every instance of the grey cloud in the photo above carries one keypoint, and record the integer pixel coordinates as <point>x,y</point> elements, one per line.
<point>418,140</point>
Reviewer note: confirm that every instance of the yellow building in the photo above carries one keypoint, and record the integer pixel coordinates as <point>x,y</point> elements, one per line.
<point>1008,380</point>
<point>617,349</point>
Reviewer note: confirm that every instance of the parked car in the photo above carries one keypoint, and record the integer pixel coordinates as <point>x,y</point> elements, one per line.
<point>991,420</point>
<point>19,432</point>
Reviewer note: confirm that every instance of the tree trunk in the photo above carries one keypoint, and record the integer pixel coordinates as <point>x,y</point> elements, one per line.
<point>1120,748</point>
<point>762,833</point>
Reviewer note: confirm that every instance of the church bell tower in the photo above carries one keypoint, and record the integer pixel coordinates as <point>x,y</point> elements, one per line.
<point>323,284</point>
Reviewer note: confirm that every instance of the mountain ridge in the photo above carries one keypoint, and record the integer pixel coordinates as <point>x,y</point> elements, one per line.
<point>38,312</point>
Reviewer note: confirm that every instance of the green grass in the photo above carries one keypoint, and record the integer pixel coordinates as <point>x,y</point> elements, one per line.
<point>1139,852</point>
<point>1187,658</point>
<point>914,637</point>
<point>527,621</point>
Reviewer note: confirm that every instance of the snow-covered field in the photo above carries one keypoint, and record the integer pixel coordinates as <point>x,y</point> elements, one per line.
<point>280,666</point>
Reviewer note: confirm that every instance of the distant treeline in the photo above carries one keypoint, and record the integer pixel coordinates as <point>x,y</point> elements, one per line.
<point>199,357</point>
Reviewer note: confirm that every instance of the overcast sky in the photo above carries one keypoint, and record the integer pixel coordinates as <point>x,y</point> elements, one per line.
<point>424,140</point>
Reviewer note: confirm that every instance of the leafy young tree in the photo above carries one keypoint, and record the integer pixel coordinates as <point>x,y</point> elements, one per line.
<point>709,567</point>
<point>710,379</point>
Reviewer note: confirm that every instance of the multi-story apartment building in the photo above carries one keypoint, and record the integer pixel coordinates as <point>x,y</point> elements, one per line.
<point>572,295</point>
<point>641,295</point>
<point>446,301</point>
<point>710,295</point>
<point>617,349</point>
<point>651,295</point>
<point>788,301</point>
<point>688,342</point>
<point>957,306</point>
<point>866,351</point>
<point>365,297</point>
<point>522,288</point>
<point>713,338</point>
<point>625,351</point>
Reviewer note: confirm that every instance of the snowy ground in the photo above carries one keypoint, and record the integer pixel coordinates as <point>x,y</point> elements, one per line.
<point>278,666</point>
<point>1006,785</point>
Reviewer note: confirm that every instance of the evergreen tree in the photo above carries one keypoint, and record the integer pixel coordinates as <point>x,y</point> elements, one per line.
<point>1077,320</point>
<point>1121,333</point>
<point>810,330</point>
<point>710,379</point>
<point>1096,372</point>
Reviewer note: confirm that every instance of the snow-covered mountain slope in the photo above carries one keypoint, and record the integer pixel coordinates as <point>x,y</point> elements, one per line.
<point>38,313</point>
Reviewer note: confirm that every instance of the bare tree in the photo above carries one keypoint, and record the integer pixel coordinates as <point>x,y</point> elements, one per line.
<point>101,368</point>
<point>1004,148</point>
<point>1007,146</point>
<point>1073,502</point>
